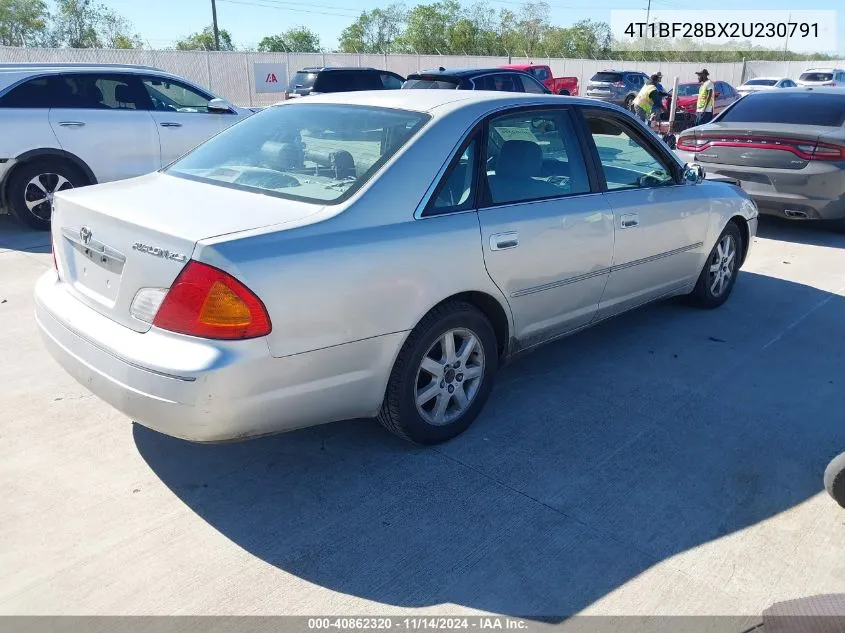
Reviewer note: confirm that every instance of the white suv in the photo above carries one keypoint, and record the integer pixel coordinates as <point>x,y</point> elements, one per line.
<point>69,125</point>
<point>831,77</point>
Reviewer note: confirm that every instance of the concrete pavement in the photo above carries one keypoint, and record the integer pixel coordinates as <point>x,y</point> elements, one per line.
<point>667,462</point>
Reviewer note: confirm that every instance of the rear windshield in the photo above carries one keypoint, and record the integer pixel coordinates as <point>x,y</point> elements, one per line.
<point>430,82</point>
<point>302,81</point>
<point>800,108</point>
<point>607,77</point>
<point>304,151</point>
<point>816,77</point>
<point>761,82</point>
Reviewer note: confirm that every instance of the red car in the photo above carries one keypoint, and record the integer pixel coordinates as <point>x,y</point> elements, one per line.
<point>558,85</point>
<point>688,97</point>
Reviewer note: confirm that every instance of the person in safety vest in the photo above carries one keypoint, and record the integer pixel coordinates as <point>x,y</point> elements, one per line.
<point>646,99</point>
<point>706,98</point>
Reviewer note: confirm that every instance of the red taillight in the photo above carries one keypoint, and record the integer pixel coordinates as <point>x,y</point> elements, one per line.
<point>205,301</point>
<point>807,150</point>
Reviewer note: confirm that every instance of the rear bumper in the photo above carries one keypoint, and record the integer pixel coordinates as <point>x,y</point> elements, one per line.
<point>210,391</point>
<point>816,192</point>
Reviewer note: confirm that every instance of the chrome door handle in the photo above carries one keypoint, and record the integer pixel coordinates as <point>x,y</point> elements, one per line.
<point>629,220</point>
<point>170,124</point>
<point>503,241</point>
<point>71,123</point>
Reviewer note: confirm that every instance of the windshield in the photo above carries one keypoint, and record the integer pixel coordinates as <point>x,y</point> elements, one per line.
<point>313,152</point>
<point>302,81</point>
<point>688,90</point>
<point>761,82</point>
<point>607,77</point>
<point>816,77</point>
<point>430,82</point>
<point>798,108</point>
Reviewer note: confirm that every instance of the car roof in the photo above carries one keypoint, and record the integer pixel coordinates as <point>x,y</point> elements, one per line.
<point>13,73</point>
<point>766,78</point>
<point>324,69</point>
<point>432,100</point>
<point>622,72</point>
<point>465,72</point>
<point>823,69</point>
<point>822,90</point>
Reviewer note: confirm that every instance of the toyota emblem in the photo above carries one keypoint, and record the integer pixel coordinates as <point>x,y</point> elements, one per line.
<point>85,234</point>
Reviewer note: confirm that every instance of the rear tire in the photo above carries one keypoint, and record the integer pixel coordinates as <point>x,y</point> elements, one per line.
<point>31,187</point>
<point>442,376</point>
<point>629,103</point>
<point>718,275</point>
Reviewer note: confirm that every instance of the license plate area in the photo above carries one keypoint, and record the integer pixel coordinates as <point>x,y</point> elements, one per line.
<point>94,269</point>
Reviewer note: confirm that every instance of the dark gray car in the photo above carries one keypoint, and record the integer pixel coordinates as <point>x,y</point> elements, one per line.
<point>786,147</point>
<point>616,86</point>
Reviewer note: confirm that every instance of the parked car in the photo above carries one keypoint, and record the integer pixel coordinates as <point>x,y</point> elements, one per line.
<point>725,95</point>
<point>822,77</point>
<point>496,79</point>
<point>316,80</point>
<point>616,86</point>
<point>786,147</point>
<point>308,294</point>
<point>69,125</point>
<point>543,74</point>
<point>765,83</point>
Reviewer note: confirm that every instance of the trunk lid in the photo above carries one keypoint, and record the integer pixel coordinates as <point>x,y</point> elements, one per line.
<point>775,146</point>
<point>114,239</point>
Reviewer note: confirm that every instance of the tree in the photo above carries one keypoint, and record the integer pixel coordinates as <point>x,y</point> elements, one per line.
<point>204,41</point>
<point>299,39</point>
<point>374,31</point>
<point>22,22</point>
<point>84,24</point>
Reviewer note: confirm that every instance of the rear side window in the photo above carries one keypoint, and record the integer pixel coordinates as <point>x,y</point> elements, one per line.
<point>607,77</point>
<point>88,91</point>
<point>816,77</point>
<point>799,108</point>
<point>40,92</point>
<point>421,81</point>
<point>502,82</point>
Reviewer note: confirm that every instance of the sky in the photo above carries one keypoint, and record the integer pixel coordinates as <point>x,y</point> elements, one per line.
<point>162,22</point>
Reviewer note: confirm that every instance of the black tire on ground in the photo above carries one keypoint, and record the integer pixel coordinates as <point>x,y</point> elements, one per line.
<point>399,412</point>
<point>834,479</point>
<point>53,174</point>
<point>704,295</point>
<point>563,92</point>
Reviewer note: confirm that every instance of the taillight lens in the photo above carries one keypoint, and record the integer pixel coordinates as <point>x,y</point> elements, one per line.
<point>806,150</point>
<point>206,302</point>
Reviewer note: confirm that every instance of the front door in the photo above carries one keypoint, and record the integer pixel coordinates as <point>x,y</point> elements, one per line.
<point>660,223</point>
<point>182,116</point>
<point>546,233</point>
<point>104,119</point>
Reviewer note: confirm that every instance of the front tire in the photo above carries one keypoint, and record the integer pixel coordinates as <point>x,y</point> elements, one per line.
<point>629,103</point>
<point>563,92</point>
<point>442,376</point>
<point>718,275</point>
<point>32,185</point>
<point>834,479</point>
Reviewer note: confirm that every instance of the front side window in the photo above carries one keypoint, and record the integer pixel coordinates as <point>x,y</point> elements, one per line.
<point>529,85</point>
<point>171,96</point>
<point>534,155</point>
<point>316,152</point>
<point>626,160</point>
<point>456,190</point>
<point>391,82</point>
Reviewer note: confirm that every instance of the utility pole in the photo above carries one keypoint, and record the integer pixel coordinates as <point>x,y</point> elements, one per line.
<point>216,30</point>
<point>647,14</point>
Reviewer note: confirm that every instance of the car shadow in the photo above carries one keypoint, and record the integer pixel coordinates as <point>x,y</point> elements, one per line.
<point>596,458</point>
<point>15,236</point>
<point>810,233</point>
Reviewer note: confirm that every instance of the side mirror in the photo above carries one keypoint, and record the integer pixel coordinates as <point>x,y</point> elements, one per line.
<point>220,105</point>
<point>693,173</point>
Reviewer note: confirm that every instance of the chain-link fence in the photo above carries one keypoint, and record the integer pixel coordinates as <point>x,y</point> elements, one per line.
<point>230,74</point>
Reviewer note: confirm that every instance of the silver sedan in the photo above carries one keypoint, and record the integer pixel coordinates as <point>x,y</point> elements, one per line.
<point>374,254</point>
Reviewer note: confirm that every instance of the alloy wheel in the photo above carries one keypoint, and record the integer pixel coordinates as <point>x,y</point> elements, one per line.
<point>39,191</point>
<point>722,266</point>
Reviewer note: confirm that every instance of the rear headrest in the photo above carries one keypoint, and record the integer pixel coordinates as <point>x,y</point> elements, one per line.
<point>123,94</point>
<point>519,159</point>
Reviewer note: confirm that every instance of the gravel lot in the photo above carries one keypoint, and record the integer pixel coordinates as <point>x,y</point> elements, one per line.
<point>669,461</point>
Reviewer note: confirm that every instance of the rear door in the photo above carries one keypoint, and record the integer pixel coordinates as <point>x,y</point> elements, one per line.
<point>660,223</point>
<point>181,113</point>
<point>546,231</point>
<point>500,82</point>
<point>104,119</point>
